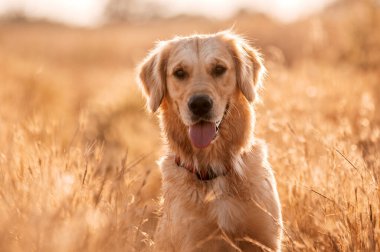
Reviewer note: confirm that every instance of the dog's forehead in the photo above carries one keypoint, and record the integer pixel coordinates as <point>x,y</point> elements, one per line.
<point>191,49</point>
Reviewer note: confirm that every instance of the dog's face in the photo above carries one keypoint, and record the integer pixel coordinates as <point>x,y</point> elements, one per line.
<point>200,79</point>
<point>198,75</point>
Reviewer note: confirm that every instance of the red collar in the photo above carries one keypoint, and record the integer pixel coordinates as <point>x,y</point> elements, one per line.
<point>208,175</point>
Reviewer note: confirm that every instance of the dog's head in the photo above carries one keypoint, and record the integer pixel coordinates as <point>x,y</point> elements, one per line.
<point>198,75</point>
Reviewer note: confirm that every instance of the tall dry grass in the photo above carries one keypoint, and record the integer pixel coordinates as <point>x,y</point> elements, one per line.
<point>78,150</point>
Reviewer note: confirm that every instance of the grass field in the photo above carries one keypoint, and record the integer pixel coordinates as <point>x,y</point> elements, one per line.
<point>78,150</point>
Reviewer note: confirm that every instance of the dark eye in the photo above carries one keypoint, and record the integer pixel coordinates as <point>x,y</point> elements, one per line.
<point>180,74</point>
<point>219,70</point>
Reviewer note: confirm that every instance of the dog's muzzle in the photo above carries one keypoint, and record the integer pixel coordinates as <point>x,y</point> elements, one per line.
<point>203,132</point>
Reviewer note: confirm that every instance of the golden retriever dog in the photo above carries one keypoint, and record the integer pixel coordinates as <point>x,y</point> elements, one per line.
<point>219,192</point>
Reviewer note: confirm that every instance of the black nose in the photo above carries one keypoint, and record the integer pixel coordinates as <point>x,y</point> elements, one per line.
<point>200,105</point>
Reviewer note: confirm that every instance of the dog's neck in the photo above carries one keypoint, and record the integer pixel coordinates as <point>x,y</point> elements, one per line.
<point>235,135</point>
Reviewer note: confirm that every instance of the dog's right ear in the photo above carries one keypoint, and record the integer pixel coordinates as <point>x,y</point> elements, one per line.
<point>152,75</point>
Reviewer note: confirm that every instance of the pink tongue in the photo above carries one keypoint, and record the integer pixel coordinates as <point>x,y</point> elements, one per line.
<point>202,133</point>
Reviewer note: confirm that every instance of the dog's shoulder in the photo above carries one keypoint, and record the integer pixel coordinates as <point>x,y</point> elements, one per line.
<point>260,150</point>
<point>253,160</point>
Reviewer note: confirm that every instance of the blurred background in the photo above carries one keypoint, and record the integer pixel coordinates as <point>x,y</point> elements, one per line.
<point>78,149</point>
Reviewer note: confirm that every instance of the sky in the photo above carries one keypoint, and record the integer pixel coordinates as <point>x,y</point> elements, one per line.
<point>90,12</point>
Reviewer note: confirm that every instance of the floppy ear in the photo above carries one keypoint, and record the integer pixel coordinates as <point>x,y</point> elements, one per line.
<point>152,76</point>
<point>248,64</point>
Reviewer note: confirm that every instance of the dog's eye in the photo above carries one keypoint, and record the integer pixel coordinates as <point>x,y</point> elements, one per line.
<point>180,74</point>
<point>219,70</point>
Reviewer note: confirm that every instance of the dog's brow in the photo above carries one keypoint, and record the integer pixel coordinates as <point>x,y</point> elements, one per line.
<point>180,64</point>
<point>218,60</point>
<point>180,48</point>
<point>183,53</point>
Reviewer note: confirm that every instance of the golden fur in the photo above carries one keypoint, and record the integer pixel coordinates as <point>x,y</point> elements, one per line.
<point>240,209</point>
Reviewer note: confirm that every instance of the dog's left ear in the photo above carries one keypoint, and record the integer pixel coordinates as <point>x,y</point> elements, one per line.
<point>152,75</point>
<point>248,65</point>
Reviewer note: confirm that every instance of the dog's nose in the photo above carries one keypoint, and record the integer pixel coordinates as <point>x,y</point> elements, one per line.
<point>200,105</point>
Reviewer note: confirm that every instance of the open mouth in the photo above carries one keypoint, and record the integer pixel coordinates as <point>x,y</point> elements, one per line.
<point>203,132</point>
